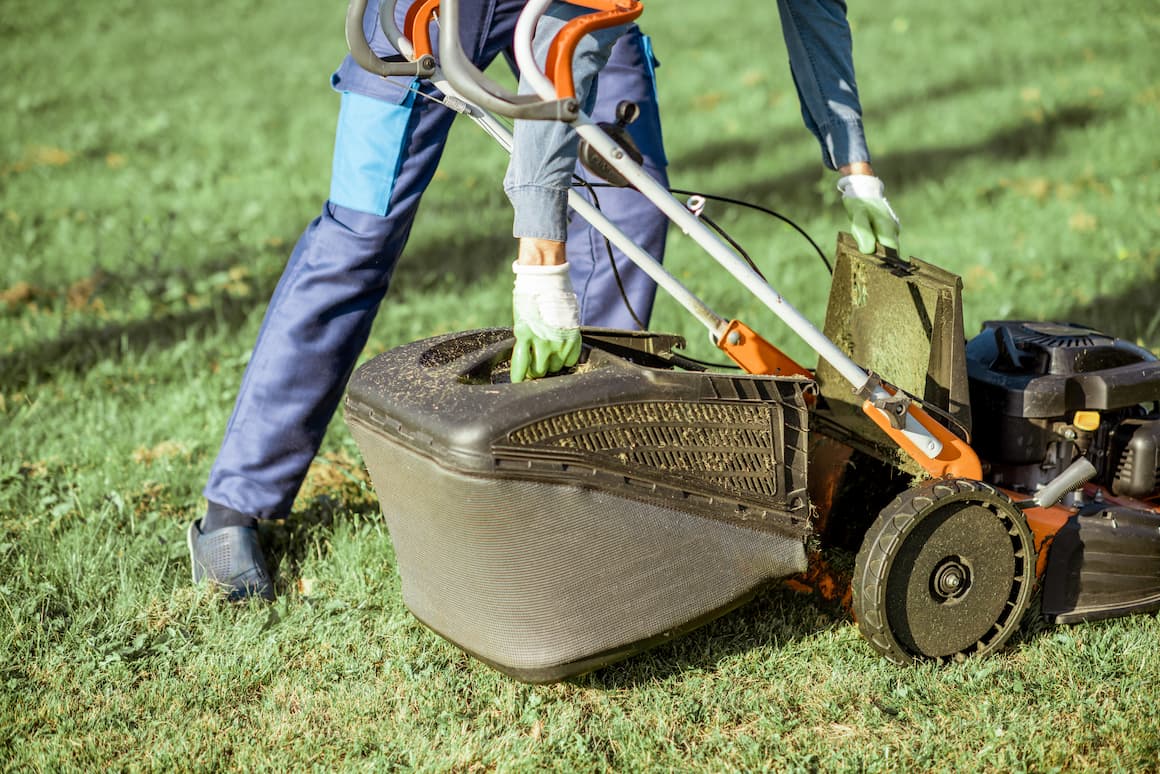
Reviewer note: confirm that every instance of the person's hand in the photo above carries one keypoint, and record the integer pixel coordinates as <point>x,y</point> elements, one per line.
<point>547,321</point>
<point>871,218</point>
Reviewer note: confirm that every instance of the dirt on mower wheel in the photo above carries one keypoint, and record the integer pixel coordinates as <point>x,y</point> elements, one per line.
<point>946,572</point>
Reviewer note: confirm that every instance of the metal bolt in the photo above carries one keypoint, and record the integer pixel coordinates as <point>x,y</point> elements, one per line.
<point>734,338</point>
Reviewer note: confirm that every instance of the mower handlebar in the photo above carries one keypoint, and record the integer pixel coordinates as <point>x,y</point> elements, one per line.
<point>491,96</point>
<point>360,49</point>
<point>554,96</point>
<point>555,80</point>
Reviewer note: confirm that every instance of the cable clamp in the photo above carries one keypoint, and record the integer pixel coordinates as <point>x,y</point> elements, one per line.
<point>458,105</point>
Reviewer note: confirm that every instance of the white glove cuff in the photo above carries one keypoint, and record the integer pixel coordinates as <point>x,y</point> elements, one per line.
<point>542,276</point>
<point>861,187</point>
<point>545,292</point>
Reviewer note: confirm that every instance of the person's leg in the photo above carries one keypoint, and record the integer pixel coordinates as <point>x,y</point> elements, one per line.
<point>316,325</point>
<point>387,147</point>
<point>627,76</point>
<point>542,166</point>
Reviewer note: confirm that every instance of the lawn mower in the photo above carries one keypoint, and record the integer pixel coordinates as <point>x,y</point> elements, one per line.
<point>554,526</point>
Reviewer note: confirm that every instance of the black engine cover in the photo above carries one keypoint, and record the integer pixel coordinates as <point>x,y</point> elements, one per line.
<point>1034,369</point>
<point>1136,456</point>
<point>1022,373</point>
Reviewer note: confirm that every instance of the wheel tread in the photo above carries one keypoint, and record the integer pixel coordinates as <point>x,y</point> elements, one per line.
<point>890,530</point>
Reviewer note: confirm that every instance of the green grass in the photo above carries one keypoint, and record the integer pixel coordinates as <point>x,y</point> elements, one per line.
<point>157,165</point>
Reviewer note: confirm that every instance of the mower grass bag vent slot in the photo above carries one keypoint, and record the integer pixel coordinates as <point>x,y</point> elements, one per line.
<point>554,526</point>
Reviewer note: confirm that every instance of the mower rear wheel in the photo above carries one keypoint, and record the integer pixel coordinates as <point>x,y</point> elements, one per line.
<point>945,572</point>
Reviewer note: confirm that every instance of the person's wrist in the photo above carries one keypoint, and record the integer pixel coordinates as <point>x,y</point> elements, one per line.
<point>540,252</point>
<point>857,168</point>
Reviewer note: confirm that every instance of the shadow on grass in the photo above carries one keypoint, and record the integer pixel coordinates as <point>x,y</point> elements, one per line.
<point>79,347</point>
<point>289,543</point>
<point>709,156</point>
<point>1029,139</point>
<point>775,616</point>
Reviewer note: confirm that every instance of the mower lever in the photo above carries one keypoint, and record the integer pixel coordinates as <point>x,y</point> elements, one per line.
<point>626,112</point>
<point>894,405</point>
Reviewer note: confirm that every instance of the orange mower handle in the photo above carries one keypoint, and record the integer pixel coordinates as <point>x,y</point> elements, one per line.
<point>416,26</point>
<point>610,13</point>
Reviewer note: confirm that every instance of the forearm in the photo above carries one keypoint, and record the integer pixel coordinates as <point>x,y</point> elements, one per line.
<point>543,160</point>
<point>818,40</point>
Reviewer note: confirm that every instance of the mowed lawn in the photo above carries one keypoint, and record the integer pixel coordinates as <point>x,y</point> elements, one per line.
<point>158,163</point>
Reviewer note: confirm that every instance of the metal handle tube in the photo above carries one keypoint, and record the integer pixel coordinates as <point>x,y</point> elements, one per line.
<point>585,209</point>
<point>361,52</point>
<point>700,233</point>
<point>649,265</point>
<point>483,91</point>
<point>400,41</point>
<point>724,255</point>
<point>525,33</point>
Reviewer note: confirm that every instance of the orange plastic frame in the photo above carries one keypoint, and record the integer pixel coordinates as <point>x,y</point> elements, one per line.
<point>756,355</point>
<point>611,13</point>
<point>416,26</point>
<point>957,458</point>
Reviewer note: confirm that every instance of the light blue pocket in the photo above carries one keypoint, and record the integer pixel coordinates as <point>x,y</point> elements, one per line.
<point>368,150</point>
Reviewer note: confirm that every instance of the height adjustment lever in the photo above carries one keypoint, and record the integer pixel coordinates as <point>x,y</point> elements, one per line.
<point>626,112</point>
<point>894,405</point>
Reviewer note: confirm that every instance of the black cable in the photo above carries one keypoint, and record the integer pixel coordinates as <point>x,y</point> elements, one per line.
<point>759,208</point>
<point>591,188</point>
<point>959,428</point>
<point>740,250</point>
<point>740,203</point>
<point>952,424</point>
<point>612,258</point>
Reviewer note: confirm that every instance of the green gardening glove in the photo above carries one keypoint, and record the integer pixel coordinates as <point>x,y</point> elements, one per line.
<point>547,321</point>
<point>871,219</point>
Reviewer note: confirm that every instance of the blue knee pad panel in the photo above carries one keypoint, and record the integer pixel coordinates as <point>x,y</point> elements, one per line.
<point>368,150</point>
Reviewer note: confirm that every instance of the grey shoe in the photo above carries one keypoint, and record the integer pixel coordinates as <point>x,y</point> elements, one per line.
<point>231,558</point>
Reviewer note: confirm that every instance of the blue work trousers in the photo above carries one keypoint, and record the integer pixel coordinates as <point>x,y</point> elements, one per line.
<point>389,142</point>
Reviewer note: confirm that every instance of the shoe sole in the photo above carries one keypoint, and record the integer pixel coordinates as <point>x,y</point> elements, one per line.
<point>192,559</point>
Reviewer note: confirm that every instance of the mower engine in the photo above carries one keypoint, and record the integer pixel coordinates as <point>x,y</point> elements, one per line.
<point>1044,394</point>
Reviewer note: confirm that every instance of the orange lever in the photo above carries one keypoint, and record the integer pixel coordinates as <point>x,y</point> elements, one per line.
<point>956,458</point>
<point>611,13</point>
<point>756,355</point>
<point>416,26</point>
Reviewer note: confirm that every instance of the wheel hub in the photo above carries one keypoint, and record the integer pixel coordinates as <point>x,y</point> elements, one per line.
<point>951,580</point>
